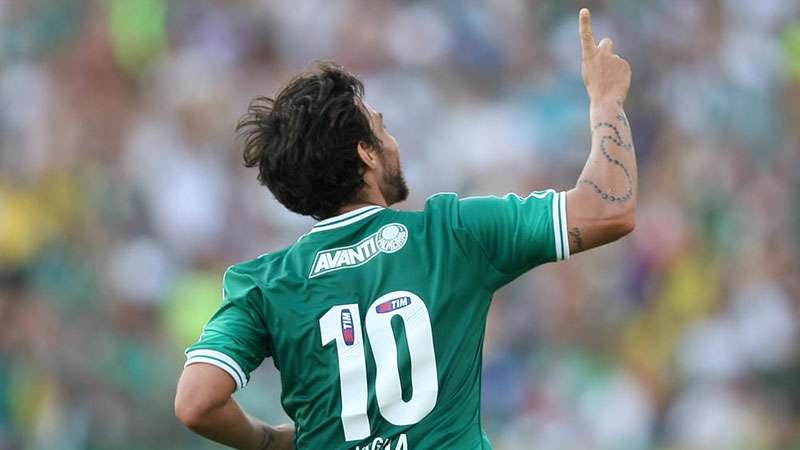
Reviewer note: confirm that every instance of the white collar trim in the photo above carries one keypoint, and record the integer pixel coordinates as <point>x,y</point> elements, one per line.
<point>347,218</point>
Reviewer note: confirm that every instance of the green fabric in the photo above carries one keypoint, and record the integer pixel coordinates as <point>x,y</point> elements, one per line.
<point>452,256</point>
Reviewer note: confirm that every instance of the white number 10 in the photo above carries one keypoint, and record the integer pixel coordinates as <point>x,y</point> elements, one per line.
<point>342,324</point>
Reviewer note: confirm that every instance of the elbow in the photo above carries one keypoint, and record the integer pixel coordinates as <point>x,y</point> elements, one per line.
<point>625,224</point>
<point>628,223</point>
<point>191,413</point>
<point>202,393</point>
<point>616,227</point>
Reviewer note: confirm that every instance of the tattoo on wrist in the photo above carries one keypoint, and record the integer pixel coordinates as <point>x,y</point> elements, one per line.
<point>615,138</point>
<point>575,233</point>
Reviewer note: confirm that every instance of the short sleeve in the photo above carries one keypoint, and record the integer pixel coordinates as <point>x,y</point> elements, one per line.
<point>235,339</point>
<point>516,233</point>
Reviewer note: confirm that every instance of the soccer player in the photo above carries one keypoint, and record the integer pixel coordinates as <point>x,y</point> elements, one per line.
<point>375,318</point>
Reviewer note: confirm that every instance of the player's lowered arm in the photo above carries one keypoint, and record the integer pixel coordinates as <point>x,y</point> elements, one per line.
<point>204,404</point>
<point>602,206</point>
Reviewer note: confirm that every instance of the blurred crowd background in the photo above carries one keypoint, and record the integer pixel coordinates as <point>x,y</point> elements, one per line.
<point>123,199</point>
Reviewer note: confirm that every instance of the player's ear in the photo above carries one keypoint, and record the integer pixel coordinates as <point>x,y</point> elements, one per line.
<point>368,155</point>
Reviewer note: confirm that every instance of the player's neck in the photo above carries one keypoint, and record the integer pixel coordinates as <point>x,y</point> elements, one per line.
<point>368,197</point>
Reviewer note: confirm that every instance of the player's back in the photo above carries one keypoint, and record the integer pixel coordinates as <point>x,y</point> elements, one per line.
<point>376,318</point>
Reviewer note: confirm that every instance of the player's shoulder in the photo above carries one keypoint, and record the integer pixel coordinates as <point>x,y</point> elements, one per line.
<point>470,212</point>
<point>254,271</point>
<point>441,209</point>
<point>455,208</point>
<point>249,266</point>
<point>446,200</point>
<point>494,204</point>
<point>441,203</point>
<point>441,198</point>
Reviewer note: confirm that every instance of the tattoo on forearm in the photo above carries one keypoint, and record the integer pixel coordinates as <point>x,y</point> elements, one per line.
<point>575,233</point>
<point>615,138</point>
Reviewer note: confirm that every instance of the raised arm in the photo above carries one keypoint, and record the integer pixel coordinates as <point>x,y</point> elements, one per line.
<point>602,206</point>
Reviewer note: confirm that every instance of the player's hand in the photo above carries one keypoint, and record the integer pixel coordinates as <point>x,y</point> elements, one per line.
<point>606,75</point>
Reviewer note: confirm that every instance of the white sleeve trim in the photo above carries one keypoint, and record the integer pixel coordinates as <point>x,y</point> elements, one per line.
<point>564,229</point>
<point>220,360</point>
<point>560,226</point>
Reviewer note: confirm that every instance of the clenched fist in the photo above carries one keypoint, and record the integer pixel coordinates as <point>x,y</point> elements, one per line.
<point>606,75</point>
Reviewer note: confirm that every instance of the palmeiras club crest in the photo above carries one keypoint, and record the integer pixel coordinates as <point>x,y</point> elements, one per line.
<point>391,238</point>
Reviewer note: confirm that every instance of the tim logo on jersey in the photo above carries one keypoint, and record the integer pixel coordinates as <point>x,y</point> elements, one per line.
<point>388,239</point>
<point>393,304</point>
<point>348,333</point>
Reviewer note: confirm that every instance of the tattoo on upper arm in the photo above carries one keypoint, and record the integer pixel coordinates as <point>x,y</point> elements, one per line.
<point>577,239</point>
<point>616,138</point>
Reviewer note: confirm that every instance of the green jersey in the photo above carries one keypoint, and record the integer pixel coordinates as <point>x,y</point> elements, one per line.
<point>375,318</point>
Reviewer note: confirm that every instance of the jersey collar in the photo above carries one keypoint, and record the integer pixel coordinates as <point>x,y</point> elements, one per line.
<point>347,218</point>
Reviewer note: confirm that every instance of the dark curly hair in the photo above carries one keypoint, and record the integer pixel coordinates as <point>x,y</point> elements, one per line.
<point>305,139</point>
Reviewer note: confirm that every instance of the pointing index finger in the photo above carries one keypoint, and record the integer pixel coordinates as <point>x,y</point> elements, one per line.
<point>588,46</point>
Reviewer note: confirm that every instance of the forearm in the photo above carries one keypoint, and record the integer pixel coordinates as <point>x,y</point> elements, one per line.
<point>601,208</point>
<point>609,177</point>
<point>228,424</point>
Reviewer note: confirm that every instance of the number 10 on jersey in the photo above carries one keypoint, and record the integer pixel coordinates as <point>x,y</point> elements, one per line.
<point>342,323</point>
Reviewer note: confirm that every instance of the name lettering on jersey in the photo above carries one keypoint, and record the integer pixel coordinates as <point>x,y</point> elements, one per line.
<point>393,304</point>
<point>388,239</point>
<point>381,443</point>
<point>348,334</point>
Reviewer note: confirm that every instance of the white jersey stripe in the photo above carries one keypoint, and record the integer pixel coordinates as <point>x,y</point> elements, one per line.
<point>220,360</point>
<point>557,227</point>
<point>563,221</point>
<point>343,223</point>
<point>346,215</point>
